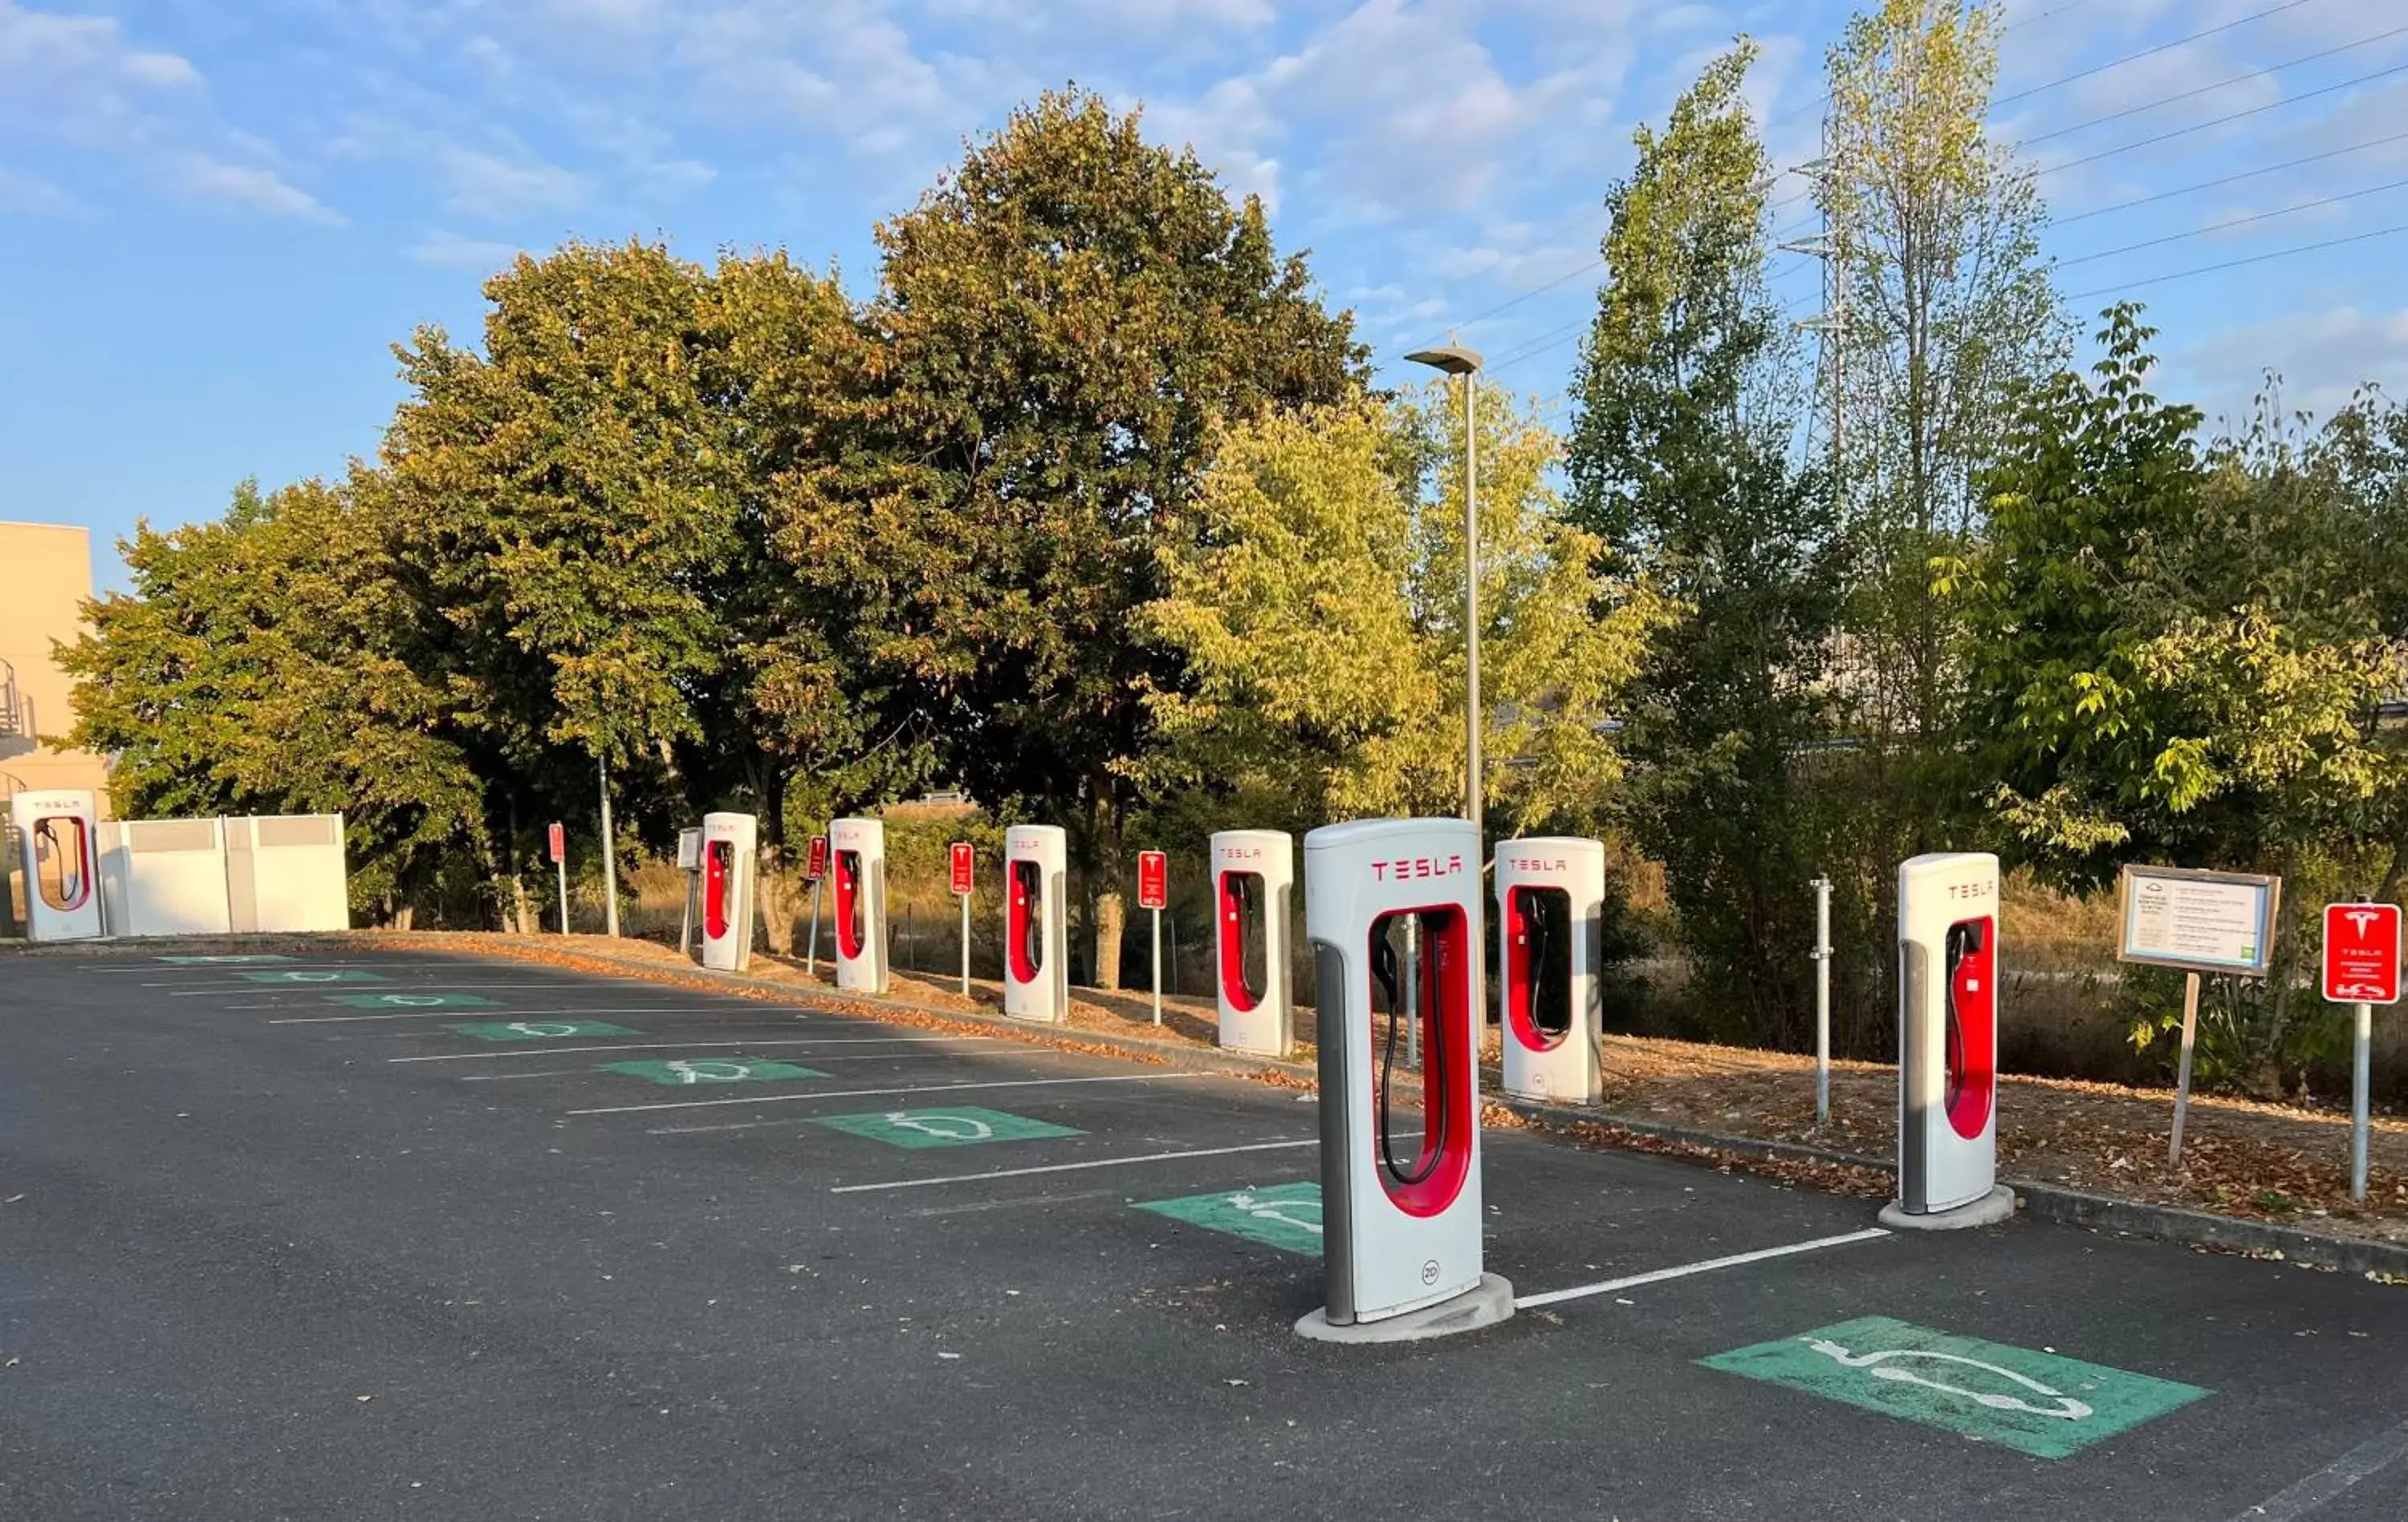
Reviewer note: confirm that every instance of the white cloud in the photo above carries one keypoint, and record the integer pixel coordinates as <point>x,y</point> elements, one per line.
<point>2322,356</point>
<point>449,251</point>
<point>478,183</point>
<point>199,177</point>
<point>24,195</point>
<point>78,79</point>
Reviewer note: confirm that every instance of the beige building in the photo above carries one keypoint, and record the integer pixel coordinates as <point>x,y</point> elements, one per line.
<point>45,579</point>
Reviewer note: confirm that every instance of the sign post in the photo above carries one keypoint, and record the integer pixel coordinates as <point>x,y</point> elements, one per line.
<point>2200,922</point>
<point>1822,1001</point>
<point>965,866</point>
<point>2361,970</point>
<point>557,838</point>
<point>814,871</point>
<point>1153,893</point>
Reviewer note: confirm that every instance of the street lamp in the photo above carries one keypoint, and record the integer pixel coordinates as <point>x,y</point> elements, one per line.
<point>1458,361</point>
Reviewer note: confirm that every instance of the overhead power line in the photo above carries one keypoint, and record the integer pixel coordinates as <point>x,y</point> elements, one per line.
<point>2226,179</point>
<point>2237,221</point>
<point>2210,89</point>
<point>2145,52</point>
<point>2202,126</point>
<point>2236,264</point>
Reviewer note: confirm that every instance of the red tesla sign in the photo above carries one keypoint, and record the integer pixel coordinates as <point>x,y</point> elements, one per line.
<point>2362,954</point>
<point>559,840</point>
<point>1152,880</point>
<point>964,863</point>
<point>815,863</point>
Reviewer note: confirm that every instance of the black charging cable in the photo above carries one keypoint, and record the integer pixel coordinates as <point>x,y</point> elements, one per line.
<point>1384,968</point>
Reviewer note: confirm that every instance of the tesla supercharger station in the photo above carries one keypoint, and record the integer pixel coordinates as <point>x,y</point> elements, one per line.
<point>1036,945</point>
<point>1401,1236</point>
<point>1948,1044</point>
<point>859,847</point>
<point>728,842</point>
<point>58,841</point>
<point>1550,912</point>
<point>1253,876</point>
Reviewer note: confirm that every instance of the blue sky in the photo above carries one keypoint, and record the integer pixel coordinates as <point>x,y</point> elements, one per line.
<point>216,217</point>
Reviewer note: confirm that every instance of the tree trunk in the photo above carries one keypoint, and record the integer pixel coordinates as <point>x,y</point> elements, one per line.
<point>403,916</point>
<point>519,920</point>
<point>1104,877</point>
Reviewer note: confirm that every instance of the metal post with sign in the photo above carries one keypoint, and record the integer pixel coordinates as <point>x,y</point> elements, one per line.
<point>2199,921</point>
<point>965,866</point>
<point>2362,967</point>
<point>1153,893</point>
<point>1822,1001</point>
<point>557,838</point>
<point>814,871</point>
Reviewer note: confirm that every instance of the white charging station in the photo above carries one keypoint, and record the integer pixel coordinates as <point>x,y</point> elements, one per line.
<point>729,843</point>
<point>1254,879</point>
<point>1400,1235</point>
<point>58,840</point>
<point>859,847</point>
<point>1948,1044</point>
<point>1549,913</point>
<point>1036,940</point>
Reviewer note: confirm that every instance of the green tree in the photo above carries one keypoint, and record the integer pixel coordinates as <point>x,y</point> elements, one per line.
<point>1946,310</point>
<point>2172,657</point>
<point>1679,461</point>
<point>1319,613</point>
<point>1061,322</point>
<point>267,663</point>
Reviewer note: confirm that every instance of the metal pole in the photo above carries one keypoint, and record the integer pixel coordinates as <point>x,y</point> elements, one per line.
<point>1174,958</point>
<point>609,859</point>
<point>911,940</point>
<point>561,866</point>
<point>811,944</point>
<point>2361,1062</point>
<point>2182,1079</point>
<point>966,944</point>
<point>1157,967</point>
<point>1475,943</point>
<point>1822,1001</point>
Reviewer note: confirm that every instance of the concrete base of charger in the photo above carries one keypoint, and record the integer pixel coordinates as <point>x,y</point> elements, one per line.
<point>1989,1210</point>
<point>1484,1304</point>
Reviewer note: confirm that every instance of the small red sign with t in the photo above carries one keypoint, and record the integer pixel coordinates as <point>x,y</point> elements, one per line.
<point>558,839</point>
<point>2362,954</point>
<point>1152,880</point>
<point>965,861</point>
<point>815,861</point>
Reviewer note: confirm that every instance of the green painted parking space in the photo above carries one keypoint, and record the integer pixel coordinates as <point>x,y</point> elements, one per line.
<point>223,959</point>
<point>680,1072</point>
<point>536,1031</point>
<point>966,1126</point>
<point>344,975</point>
<point>414,1001</point>
<point>1286,1216</point>
<point>2040,1403</point>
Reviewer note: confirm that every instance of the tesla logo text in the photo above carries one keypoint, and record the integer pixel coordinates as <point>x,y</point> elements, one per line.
<point>1985,889</point>
<point>1536,864</point>
<point>1405,867</point>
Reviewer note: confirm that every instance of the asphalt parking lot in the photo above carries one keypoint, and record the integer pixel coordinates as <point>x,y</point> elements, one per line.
<point>287,1239</point>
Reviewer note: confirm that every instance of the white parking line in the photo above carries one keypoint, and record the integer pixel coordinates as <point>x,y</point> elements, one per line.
<point>2309,1496</point>
<point>504,1011</point>
<point>656,1046</point>
<point>1073,1168</point>
<point>1556,1297</point>
<point>865,1093</point>
<point>597,1067</point>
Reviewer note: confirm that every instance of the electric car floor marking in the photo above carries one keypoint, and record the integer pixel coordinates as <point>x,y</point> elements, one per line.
<point>656,1046</point>
<point>1074,1168</point>
<point>933,1088</point>
<point>414,1001</point>
<point>537,1031</point>
<point>1556,1297</point>
<point>2309,1496</point>
<point>968,1126</point>
<point>445,983</point>
<point>1284,1216</point>
<point>2045,1404</point>
<point>687,1072</point>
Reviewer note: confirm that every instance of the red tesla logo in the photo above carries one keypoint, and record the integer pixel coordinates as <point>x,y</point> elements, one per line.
<point>2362,954</point>
<point>1415,866</point>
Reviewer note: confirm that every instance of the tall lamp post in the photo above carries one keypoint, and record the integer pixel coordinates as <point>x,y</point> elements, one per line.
<point>1456,360</point>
